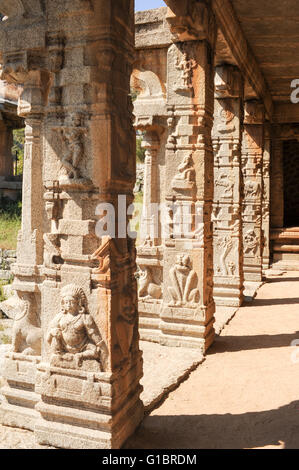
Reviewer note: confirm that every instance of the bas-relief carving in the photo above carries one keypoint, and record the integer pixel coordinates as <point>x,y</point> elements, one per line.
<point>186,66</point>
<point>183,291</point>
<point>252,189</point>
<point>26,331</point>
<point>73,153</point>
<point>224,245</point>
<point>185,177</point>
<point>73,335</point>
<point>148,289</point>
<point>251,242</point>
<point>226,182</point>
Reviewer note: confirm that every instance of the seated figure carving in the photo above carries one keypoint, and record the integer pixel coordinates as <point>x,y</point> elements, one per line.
<point>73,335</point>
<point>185,177</point>
<point>183,291</point>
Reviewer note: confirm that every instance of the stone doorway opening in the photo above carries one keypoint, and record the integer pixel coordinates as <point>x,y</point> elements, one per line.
<point>291,187</point>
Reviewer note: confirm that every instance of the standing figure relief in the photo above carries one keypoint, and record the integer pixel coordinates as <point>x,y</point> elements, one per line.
<point>186,67</point>
<point>183,290</point>
<point>73,137</point>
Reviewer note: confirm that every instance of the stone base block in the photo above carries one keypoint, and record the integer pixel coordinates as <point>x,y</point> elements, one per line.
<point>19,396</point>
<point>68,436</point>
<point>88,410</point>
<point>228,292</point>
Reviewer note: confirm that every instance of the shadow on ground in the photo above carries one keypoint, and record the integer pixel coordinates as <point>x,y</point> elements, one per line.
<point>249,430</point>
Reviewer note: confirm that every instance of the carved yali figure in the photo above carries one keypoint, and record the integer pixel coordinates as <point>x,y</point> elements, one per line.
<point>183,290</point>
<point>73,334</point>
<point>148,289</point>
<point>26,332</point>
<point>252,189</point>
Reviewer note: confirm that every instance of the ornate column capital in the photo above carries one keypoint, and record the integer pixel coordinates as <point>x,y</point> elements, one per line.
<point>254,112</point>
<point>191,20</point>
<point>228,82</point>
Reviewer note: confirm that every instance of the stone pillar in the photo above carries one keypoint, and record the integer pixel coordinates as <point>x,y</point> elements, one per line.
<point>88,373</point>
<point>228,253</point>
<point>6,143</point>
<point>187,314</point>
<point>151,145</point>
<point>150,255</point>
<point>266,197</point>
<point>20,397</point>
<point>252,167</point>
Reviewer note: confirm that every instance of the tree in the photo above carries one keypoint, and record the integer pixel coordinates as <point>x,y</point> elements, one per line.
<point>18,149</point>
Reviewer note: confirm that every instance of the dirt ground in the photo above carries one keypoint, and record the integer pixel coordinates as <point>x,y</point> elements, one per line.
<point>246,393</point>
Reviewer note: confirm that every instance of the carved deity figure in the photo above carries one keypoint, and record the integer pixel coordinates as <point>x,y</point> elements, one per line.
<point>185,177</point>
<point>186,66</point>
<point>183,291</point>
<point>73,334</point>
<point>73,138</point>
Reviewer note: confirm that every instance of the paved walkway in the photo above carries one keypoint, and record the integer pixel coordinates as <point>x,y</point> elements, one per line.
<point>246,393</point>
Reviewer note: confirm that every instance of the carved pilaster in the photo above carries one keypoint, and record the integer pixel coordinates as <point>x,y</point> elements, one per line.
<point>227,229</point>
<point>252,171</point>
<point>188,307</point>
<point>266,197</point>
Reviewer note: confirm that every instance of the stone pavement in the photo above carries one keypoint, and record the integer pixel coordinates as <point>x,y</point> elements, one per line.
<point>245,394</point>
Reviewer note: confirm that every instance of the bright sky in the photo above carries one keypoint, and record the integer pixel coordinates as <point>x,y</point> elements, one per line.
<point>141,5</point>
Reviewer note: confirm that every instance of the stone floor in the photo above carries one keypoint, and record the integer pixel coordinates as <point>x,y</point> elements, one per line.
<point>245,393</point>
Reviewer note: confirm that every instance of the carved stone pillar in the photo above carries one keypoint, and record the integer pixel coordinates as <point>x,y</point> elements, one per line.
<point>187,315</point>
<point>266,197</point>
<point>20,397</point>
<point>228,255</point>
<point>87,378</point>
<point>149,260</point>
<point>252,168</point>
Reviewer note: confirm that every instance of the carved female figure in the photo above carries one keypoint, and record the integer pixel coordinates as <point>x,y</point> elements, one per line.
<point>73,333</point>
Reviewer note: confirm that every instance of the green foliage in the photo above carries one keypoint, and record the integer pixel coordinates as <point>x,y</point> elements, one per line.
<point>5,339</point>
<point>18,149</point>
<point>10,222</point>
<point>140,152</point>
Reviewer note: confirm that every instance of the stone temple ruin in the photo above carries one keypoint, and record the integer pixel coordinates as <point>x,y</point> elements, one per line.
<point>221,140</point>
